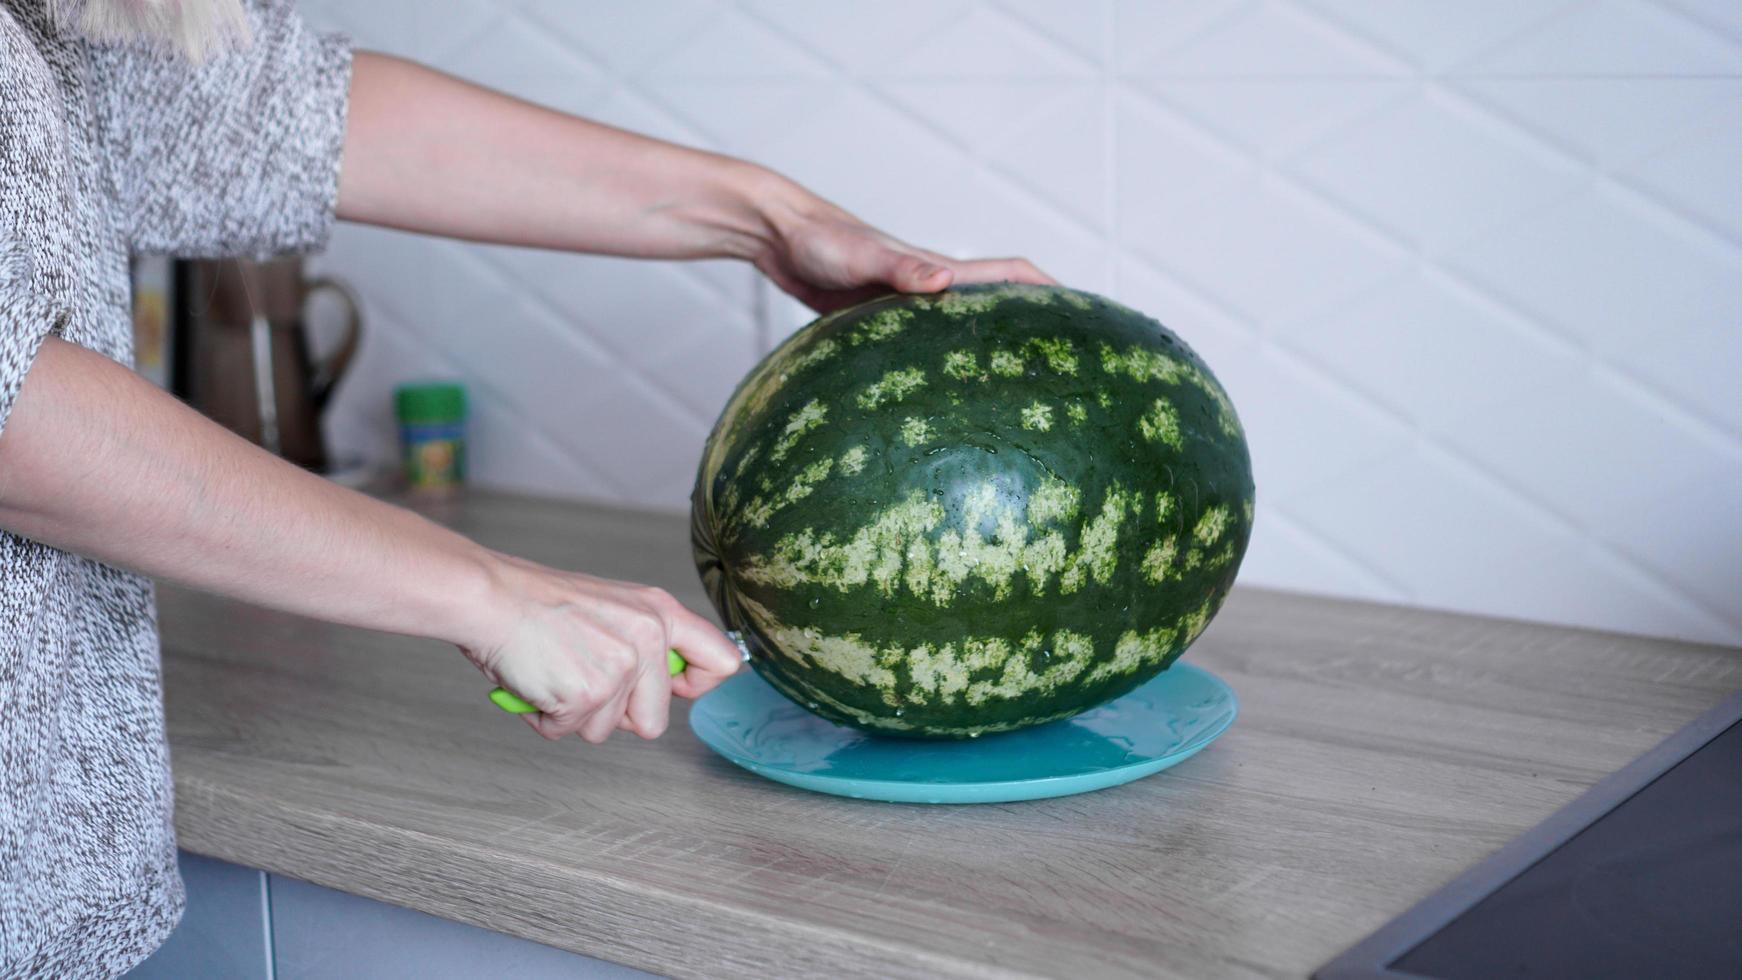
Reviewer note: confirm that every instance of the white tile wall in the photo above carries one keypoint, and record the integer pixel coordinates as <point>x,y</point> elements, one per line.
<point>1472,271</point>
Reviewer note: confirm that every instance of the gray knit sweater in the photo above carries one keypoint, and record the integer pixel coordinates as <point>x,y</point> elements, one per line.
<point>107,150</point>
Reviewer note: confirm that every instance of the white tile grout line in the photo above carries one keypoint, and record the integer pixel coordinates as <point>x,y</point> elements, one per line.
<point>1290,181</point>
<point>1313,8</point>
<point>1687,16</point>
<point>1379,578</point>
<point>618,84</point>
<point>1618,560</point>
<point>626,77</point>
<point>1100,62</point>
<point>1602,179</point>
<point>1432,443</point>
<point>1664,586</point>
<point>1110,144</point>
<point>626,87</point>
<point>532,427</point>
<point>538,301</point>
<point>454,46</point>
<point>581,328</point>
<point>1038,202</point>
<point>762,309</point>
<point>1229,15</point>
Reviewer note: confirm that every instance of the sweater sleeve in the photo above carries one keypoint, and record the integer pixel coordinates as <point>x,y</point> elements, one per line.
<point>236,157</point>
<point>34,203</point>
<point>26,319</point>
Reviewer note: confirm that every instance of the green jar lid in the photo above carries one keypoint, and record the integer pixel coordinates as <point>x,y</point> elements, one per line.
<point>430,402</point>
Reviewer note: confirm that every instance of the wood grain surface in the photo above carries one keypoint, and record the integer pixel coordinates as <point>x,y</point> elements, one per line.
<point>1379,751</point>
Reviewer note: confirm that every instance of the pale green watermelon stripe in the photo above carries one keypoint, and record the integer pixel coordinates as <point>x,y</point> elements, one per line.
<point>762,507</point>
<point>880,326</point>
<point>798,425</point>
<point>905,546</point>
<point>1211,525</point>
<point>894,386</point>
<point>944,674</point>
<point>1162,562</point>
<point>1058,355</point>
<point>1142,364</point>
<point>1161,424</point>
<point>984,300</point>
<point>1037,417</point>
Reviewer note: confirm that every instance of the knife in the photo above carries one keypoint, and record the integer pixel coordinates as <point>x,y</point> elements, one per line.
<point>512,703</point>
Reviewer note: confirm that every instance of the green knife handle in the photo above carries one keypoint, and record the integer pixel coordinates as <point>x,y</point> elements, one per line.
<point>511,703</point>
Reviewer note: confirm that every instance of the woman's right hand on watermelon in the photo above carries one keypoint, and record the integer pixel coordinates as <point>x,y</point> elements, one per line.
<point>590,653</point>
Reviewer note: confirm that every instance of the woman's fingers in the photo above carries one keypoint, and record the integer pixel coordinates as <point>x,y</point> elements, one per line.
<point>547,726</point>
<point>599,725</point>
<point>911,273</point>
<point>649,705</point>
<point>1001,270</point>
<point>711,657</point>
<point>922,272</point>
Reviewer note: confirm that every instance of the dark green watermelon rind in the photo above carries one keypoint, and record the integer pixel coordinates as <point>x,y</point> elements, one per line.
<point>1143,416</point>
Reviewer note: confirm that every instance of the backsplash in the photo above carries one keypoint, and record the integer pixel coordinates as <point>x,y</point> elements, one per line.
<point>1471,272</point>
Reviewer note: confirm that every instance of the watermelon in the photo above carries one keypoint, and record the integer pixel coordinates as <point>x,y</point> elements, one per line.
<point>949,515</point>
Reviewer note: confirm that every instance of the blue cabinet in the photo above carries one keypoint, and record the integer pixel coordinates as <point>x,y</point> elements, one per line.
<point>224,932</point>
<point>321,934</point>
<point>243,924</point>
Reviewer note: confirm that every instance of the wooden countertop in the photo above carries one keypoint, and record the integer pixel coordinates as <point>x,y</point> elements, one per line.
<point>1379,751</point>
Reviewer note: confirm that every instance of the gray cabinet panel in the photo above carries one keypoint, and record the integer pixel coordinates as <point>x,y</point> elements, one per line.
<point>223,932</point>
<point>321,934</point>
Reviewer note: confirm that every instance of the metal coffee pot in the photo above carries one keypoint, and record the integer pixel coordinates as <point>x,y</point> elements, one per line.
<point>248,361</point>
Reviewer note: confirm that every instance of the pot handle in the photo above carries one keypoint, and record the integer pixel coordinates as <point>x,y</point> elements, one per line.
<point>328,370</point>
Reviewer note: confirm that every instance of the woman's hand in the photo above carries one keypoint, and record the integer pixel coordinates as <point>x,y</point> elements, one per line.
<point>828,259</point>
<point>590,653</point>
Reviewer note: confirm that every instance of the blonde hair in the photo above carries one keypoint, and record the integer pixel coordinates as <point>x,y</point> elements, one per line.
<point>196,29</point>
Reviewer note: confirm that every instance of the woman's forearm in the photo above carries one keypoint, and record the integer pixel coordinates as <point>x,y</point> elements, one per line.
<point>97,461</point>
<point>429,152</point>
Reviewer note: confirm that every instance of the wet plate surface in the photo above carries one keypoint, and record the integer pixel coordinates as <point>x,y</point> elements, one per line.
<point>1162,723</point>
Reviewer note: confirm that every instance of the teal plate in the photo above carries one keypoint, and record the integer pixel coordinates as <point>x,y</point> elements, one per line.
<point>1164,722</point>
